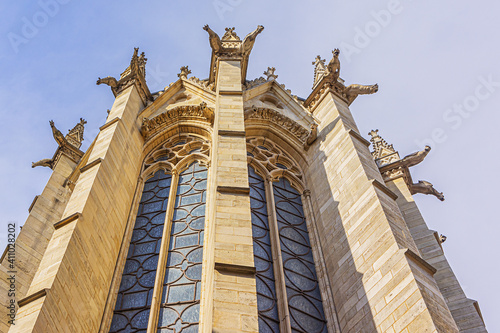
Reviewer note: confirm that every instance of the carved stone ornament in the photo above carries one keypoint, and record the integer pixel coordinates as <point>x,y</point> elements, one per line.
<point>230,46</point>
<point>69,145</point>
<point>135,74</point>
<point>270,74</point>
<point>328,79</point>
<point>319,69</point>
<point>426,187</point>
<point>202,83</point>
<point>184,112</point>
<point>383,153</point>
<point>184,72</point>
<point>305,136</point>
<point>392,166</point>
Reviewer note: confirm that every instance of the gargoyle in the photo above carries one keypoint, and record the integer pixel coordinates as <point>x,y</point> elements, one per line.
<point>46,162</point>
<point>110,81</point>
<point>359,89</point>
<point>333,67</point>
<point>58,136</point>
<point>425,187</point>
<point>214,39</point>
<point>249,40</point>
<point>416,158</point>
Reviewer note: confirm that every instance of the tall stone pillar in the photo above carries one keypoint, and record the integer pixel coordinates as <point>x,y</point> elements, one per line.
<point>378,279</point>
<point>234,295</point>
<point>84,247</point>
<point>46,209</point>
<point>465,311</point>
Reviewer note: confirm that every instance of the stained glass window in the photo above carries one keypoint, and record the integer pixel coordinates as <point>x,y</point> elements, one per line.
<point>263,258</point>
<point>304,298</point>
<point>180,306</point>
<point>136,289</point>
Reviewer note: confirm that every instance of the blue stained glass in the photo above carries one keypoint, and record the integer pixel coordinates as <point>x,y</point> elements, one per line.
<point>182,284</point>
<point>304,298</point>
<point>266,290</point>
<point>131,312</point>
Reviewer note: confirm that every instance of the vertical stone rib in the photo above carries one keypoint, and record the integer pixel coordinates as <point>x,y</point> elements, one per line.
<point>234,295</point>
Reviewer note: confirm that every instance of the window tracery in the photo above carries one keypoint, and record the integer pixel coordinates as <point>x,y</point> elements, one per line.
<point>167,240</point>
<point>281,215</point>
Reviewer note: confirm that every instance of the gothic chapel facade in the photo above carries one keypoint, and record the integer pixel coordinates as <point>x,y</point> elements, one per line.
<point>231,205</point>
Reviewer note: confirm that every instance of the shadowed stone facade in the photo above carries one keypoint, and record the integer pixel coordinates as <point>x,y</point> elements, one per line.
<point>268,168</point>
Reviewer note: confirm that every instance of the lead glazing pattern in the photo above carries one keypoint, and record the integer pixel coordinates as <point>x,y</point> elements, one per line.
<point>136,289</point>
<point>182,285</point>
<point>263,259</point>
<point>304,298</point>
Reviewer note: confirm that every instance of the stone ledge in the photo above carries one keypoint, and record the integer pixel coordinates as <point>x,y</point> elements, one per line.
<point>90,165</point>
<point>33,297</point>
<point>67,220</point>
<point>231,92</point>
<point>232,133</point>
<point>384,189</point>
<point>233,189</point>
<point>33,203</point>
<point>232,268</point>
<point>109,123</point>
<point>358,136</point>
<point>419,261</point>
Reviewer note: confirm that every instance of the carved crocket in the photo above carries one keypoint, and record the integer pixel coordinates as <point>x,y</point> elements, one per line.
<point>249,40</point>
<point>58,136</point>
<point>46,162</point>
<point>416,158</point>
<point>110,81</point>
<point>425,187</point>
<point>214,39</point>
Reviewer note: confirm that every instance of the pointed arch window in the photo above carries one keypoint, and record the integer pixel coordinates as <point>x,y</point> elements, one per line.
<point>288,294</point>
<point>161,281</point>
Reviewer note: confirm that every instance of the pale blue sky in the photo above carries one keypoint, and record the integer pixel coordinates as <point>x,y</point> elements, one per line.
<point>426,56</point>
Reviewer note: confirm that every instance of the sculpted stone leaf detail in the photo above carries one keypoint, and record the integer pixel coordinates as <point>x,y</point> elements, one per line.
<point>300,132</point>
<point>188,112</point>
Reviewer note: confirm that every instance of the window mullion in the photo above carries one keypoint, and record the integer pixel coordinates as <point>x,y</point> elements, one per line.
<point>162,258</point>
<point>281,296</point>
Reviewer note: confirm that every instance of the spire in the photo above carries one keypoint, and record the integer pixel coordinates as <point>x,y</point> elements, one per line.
<point>319,69</point>
<point>383,153</point>
<point>75,135</point>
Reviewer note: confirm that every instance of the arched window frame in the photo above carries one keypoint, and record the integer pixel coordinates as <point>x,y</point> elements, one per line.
<point>181,160</point>
<point>266,165</point>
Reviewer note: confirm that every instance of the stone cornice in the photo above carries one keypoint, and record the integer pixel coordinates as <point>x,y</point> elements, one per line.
<point>201,112</point>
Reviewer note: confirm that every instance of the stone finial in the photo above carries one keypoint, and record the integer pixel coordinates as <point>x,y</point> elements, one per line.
<point>319,69</point>
<point>230,35</point>
<point>383,153</point>
<point>270,74</point>
<point>75,135</point>
<point>184,72</point>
